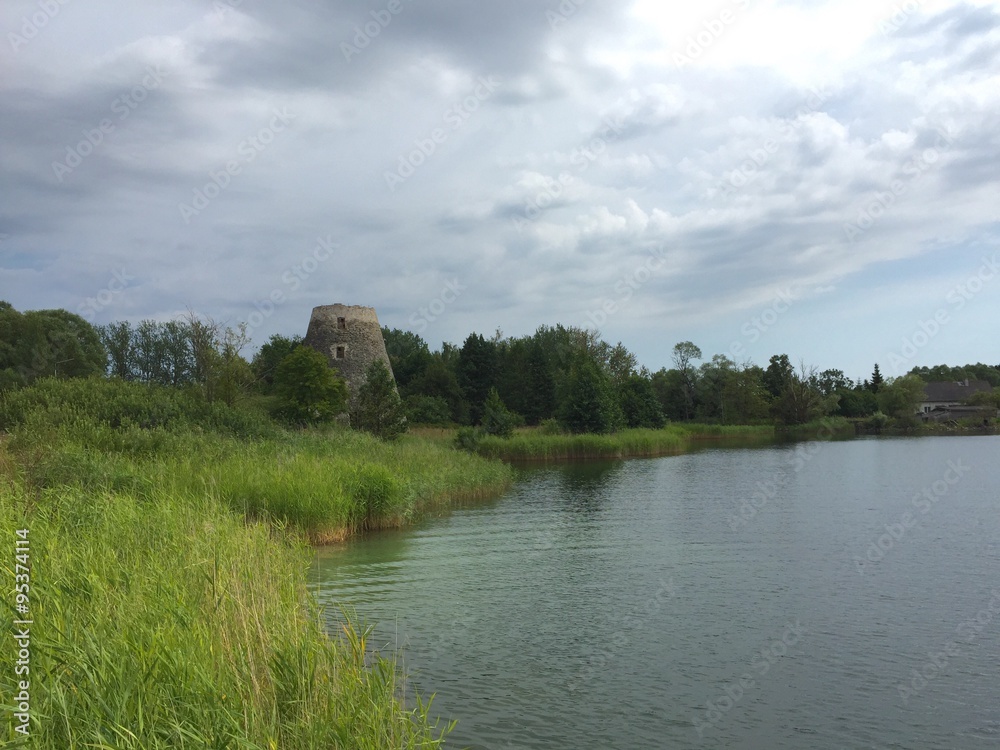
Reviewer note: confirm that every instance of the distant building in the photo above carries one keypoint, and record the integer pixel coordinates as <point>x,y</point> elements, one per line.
<point>946,400</point>
<point>351,338</point>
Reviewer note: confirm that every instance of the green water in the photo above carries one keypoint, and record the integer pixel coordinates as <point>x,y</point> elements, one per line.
<point>632,605</point>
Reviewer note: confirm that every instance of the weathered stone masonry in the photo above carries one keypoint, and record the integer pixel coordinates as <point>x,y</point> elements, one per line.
<point>351,338</point>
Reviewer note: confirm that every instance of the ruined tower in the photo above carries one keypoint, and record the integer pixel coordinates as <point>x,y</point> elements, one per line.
<point>351,338</point>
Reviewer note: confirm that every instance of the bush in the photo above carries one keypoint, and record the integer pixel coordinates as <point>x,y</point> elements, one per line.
<point>378,409</point>
<point>587,403</point>
<point>877,421</point>
<point>427,410</point>
<point>80,405</point>
<point>550,427</point>
<point>308,391</point>
<point>467,439</point>
<point>497,420</point>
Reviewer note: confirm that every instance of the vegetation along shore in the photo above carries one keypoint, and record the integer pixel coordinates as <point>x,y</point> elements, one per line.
<point>170,489</point>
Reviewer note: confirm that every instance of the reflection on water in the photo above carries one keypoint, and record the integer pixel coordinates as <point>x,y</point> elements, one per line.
<point>622,605</point>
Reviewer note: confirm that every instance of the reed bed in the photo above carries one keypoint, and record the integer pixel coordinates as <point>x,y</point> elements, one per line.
<point>168,572</point>
<point>164,620</point>
<point>698,431</point>
<point>535,446</point>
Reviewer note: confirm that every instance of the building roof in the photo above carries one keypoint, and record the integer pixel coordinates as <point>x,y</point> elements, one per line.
<point>951,392</point>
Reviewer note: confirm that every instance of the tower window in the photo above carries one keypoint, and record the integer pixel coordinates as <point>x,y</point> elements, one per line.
<point>340,352</point>
<point>342,324</point>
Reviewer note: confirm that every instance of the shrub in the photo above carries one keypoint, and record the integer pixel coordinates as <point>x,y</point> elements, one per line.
<point>427,410</point>
<point>468,438</point>
<point>497,420</point>
<point>550,427</point>
<point>877,421</point>
<point>378,409</point>
<point>308,391</point>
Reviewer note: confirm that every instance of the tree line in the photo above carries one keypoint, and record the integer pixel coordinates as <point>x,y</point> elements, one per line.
<point>573,377</point>
<point>564,375</point>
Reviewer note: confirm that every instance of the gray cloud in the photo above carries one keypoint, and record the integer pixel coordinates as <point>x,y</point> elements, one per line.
<point>539,193</point>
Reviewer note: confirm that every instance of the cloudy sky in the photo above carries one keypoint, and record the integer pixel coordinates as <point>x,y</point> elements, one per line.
<point>807,177</point>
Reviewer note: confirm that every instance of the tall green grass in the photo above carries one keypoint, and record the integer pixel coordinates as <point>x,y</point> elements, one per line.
<point>698,431</point>
<point>821,429</point>
<point>538,445</point>
<point>169,566</point>
<point>327,483</point>
<point>166,621</point>
<point>337,484</point>
<point>535,446</point>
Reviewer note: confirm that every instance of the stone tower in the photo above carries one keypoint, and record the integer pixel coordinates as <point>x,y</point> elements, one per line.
<point>351,338</point>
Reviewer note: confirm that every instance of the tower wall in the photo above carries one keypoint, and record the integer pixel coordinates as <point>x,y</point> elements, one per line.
<point>351,338</point>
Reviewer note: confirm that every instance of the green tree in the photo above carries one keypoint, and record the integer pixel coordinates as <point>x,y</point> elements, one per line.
<point>117,340</point>
<point>744,397</point>
<point>378,408</point>
<point>439,381</point>
<point>587,404</point>
<point>268,357</point>
<point>856,402</point>
<point>639,405</point>
<point>477,372</point>
<point>900,398</point>
<point>713,379</point>
<point>307,389</point>
<point>990,399</point>
<point>234,373</point>
<point>497,419</point>
<point>876,380</point>
<point>44,343</point>
<point>778,375</point>
<point>801,401</point>
<point>622,364</point>
<point>426,410</point>
<point>683,354</point>
<point>831,381</point>
<point>203,337</point>
<point>669,388</point>
<point>409,355</point>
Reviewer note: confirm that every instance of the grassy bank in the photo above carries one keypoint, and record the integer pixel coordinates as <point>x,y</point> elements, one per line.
<point>820,429</point>
<point>535,445</point>
<point>168,568</point>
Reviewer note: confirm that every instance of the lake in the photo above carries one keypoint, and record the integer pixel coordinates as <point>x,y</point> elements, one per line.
<point>813,595</point>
